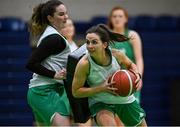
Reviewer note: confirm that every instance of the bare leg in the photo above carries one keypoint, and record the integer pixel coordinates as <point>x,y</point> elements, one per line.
<point>143,123</point>
<point>118,121</point>
<point>60,120</point>
<point>105,118</point>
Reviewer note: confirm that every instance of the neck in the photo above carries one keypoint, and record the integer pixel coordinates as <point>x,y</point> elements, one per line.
<point>102,59</point>
<point>56,28</point>
<point>70,40</point>
<point>119,30</point>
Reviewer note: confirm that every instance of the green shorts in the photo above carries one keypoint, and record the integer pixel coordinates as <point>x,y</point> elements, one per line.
<point>130,114</point>
<point>47,100</point>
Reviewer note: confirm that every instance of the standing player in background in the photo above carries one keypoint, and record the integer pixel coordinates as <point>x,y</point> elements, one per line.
<point>96,67</point>
<point>68,31</point>
<point>118,20</point>
<point>46,94</point>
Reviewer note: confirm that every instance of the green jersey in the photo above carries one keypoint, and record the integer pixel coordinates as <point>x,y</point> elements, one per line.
<point>97,75</point>
<point>125,47</point>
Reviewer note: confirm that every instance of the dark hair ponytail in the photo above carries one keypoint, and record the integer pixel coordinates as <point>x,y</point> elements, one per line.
<point>36,23</point>
<point>106,35</point>
<point>114,36</point>
<point>39,19</point>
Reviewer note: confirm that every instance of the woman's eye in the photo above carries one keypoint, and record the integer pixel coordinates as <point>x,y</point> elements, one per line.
<point>87,42</point>
<point>94,42</point>
<point>61,13</point>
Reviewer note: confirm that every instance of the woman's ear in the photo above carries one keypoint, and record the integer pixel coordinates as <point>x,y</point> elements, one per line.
<point>105,44</point>
<point>50,18</point>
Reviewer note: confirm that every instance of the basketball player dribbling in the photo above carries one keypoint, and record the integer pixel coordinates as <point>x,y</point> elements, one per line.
<point>95,67</point>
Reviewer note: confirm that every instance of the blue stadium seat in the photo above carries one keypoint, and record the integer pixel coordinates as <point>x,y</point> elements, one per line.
<point>82,27</point>
<point>13,24</point>
<point>99,19</point>
<point>178,23</point>
<point>14,93</point>
<point>166,23</point>
<point>145,23</point>
<point>14,38</point>
<point>13,65</point>
<point>15,51</point>
<point>16,119</point>
<point>14,105</point>
<point>17,75</point>
<point>131,22</point>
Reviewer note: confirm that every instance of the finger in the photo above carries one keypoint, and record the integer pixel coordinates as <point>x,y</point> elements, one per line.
<point>139,85</point>
<point>137,80</point>
<point>112,88</point>
<point>113,83</point>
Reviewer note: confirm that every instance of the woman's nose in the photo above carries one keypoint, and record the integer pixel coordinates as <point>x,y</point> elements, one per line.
<point>66,16</point>
<point>90,45</point>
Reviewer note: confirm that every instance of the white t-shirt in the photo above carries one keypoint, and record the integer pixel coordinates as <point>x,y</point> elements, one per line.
<point>72,46</point>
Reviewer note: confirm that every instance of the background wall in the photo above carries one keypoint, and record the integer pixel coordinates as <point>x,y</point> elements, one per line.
<point>83,10</point>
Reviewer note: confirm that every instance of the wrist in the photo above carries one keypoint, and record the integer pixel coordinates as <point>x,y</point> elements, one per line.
<point>99,89</point>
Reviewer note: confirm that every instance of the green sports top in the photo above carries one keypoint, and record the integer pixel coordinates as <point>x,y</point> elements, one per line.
<point>125,47</point>
<point>97,75</point>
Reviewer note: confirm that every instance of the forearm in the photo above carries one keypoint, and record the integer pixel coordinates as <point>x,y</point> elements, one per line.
<point>87,91</point>
<point>133,67</point>
<point>39,69</point>
<point>140,66</point>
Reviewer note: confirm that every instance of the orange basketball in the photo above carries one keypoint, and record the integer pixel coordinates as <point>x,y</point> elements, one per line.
<point>124,82</point>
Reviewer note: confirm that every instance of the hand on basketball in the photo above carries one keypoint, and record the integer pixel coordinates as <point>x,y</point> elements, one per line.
<point>138,82</point>
<point>61,74</point>
<point>139,85</point>
<point>108,87</point>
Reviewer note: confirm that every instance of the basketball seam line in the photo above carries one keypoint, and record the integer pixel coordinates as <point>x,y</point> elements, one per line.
<point>129,81</point>
<point>113,76</point>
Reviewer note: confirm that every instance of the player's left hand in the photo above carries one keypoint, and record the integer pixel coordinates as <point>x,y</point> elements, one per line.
<point>138,81</point>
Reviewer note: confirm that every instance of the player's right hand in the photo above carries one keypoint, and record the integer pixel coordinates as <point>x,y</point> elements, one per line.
<point>60,75</point>
<point>108,87</point>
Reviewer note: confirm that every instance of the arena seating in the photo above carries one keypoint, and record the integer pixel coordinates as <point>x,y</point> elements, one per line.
<point>14,78</point>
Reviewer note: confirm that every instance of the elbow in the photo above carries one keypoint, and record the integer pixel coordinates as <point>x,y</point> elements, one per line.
<point>74,93</point>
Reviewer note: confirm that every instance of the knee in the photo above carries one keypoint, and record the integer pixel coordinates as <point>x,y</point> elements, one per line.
<point>105,118</point>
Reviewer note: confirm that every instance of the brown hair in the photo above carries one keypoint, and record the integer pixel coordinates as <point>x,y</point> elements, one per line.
<point>106,35</point>
<point>39,19</point>
<point>110,25</point>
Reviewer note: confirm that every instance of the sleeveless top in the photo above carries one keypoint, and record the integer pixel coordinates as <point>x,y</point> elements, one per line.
<point>97,75</point>
<point>54,62</point>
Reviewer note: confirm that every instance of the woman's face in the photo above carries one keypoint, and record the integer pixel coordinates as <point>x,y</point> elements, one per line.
<point>68,30</point>
<point>60,17</point>
<point>94,44</point>
<point>118,19</point>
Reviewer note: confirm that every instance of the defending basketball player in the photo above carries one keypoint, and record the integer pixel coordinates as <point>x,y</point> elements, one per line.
<point>96,67</point>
